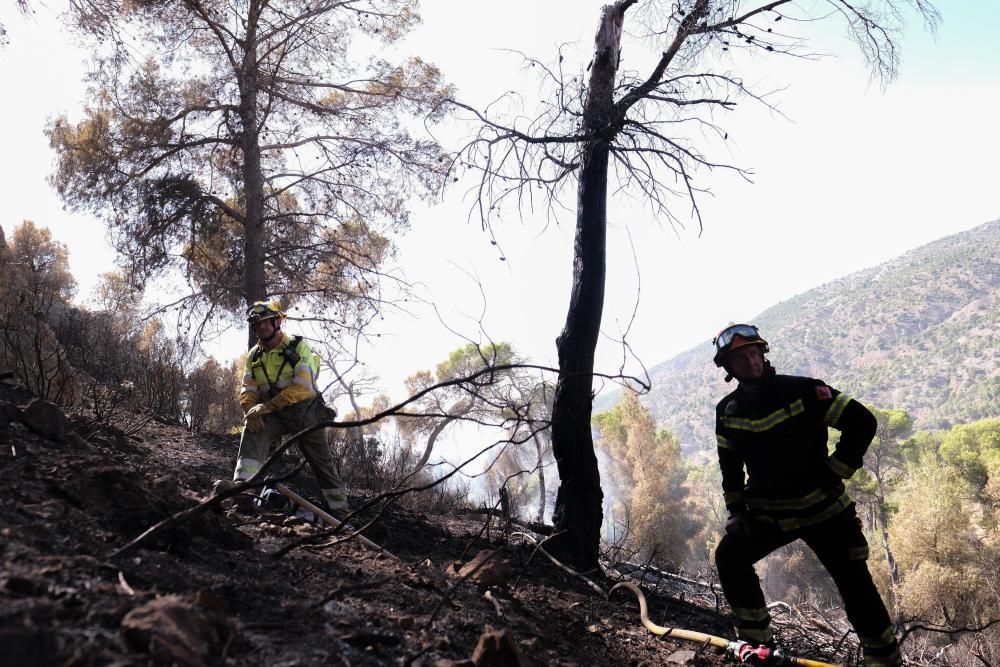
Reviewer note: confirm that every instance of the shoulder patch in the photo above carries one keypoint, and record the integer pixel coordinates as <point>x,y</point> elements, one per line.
<point>731,407</point>
<point>823,392</point>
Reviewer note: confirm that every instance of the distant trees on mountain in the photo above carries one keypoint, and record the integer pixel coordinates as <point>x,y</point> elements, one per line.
<point>919,333</point>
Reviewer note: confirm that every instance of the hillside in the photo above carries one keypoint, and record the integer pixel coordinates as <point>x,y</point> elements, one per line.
<point>920,333</point>
<point>213,590</point>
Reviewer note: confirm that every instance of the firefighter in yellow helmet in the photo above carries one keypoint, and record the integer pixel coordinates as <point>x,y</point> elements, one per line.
<point>780,485</point>
<point>279,396</point>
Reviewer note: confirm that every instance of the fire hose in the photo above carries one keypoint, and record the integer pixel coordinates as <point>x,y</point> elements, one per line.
<point>743,651</point>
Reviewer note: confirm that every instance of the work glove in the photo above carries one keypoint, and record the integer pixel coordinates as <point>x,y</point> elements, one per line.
<point>279,402</point>
<point>247,401</point>
<point>255,417</point>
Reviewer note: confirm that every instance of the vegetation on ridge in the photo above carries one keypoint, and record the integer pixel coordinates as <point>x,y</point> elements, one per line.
<point>917,333</point>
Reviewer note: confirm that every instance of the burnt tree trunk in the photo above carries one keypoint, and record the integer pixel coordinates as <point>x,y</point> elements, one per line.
<point>254,276</point>
<point>578,510</point>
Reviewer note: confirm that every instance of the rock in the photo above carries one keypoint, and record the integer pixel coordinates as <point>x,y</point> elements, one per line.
<point>682,657</point>
<point>45,418</point>
<point>166,482</point>
<point>495,572</point>
<point>174,630</point>
<point>221,486</point>
<point>496,648</point>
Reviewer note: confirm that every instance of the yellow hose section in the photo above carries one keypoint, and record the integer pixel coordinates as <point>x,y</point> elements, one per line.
<point>806,662</point>
<point>691,635</point>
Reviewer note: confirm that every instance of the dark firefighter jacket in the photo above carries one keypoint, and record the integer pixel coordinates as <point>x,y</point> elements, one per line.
<point>779,437</point>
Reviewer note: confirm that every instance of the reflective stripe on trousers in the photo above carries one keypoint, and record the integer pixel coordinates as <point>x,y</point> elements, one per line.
<point>839,544</point>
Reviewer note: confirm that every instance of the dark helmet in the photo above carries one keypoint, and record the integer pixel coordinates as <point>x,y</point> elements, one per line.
<point>264,310</point>
<point>735,336</point>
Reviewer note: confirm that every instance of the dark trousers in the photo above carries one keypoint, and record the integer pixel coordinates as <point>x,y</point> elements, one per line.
<point>841,547</point>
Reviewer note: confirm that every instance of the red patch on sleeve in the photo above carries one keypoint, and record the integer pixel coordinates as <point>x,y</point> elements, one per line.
<point>823,392</point>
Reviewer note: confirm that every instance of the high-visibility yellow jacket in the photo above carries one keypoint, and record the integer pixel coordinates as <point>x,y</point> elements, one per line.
<point>269,377</point>
<point>778,436</point>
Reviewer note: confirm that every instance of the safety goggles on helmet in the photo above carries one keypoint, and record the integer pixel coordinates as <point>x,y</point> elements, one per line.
<point>263,310</point>
<point>736,336</point>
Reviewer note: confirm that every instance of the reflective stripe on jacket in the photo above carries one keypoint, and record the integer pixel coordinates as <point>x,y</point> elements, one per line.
<point>267,374</point>
<point>772,448</point>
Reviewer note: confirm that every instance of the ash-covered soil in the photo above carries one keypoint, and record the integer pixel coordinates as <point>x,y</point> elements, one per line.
<point>213,590</point>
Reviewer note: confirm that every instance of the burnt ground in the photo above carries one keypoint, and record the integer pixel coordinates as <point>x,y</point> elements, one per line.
<point>211,590</point>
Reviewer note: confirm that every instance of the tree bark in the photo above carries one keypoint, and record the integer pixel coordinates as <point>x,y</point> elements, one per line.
<point>890,559</point>
<point>254,275</point>
<point>578,511</point>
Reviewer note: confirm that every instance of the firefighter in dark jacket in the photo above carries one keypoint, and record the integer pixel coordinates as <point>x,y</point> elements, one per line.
<point>774,428</point>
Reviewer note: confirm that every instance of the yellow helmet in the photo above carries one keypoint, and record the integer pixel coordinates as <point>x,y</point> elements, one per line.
<point>264,310</point>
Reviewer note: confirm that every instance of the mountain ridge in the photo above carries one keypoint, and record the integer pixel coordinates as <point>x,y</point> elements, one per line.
<point>917,332</point>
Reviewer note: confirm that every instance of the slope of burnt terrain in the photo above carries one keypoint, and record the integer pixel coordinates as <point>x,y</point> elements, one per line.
<point>224,588</point>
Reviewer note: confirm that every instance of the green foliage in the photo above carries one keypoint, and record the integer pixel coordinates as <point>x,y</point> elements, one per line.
<point>975,450</point>
<point>703,498</point>
<point>472,358</point>
<point>643,481</point>
<point>504,398</point>
<point>251,152</point>
<point>934,540</point>
<point>212,403</point>
<point>919,333</point>
<point>36,286</point>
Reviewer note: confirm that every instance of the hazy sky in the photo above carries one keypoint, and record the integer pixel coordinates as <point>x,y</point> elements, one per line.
<point>851,176</point>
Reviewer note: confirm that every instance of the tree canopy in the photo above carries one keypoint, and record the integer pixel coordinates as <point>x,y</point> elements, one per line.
<point>257,149</point>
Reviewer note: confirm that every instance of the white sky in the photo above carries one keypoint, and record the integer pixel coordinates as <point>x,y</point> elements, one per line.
<point>851,177</point>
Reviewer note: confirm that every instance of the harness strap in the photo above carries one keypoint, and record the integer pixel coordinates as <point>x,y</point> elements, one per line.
<point>289,355</point>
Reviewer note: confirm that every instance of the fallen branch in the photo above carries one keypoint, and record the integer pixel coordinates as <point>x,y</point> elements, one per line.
<point>557,563</point>
<point>533,526</point>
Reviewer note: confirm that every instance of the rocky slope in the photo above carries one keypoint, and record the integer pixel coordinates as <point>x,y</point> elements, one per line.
<point>919,333</point>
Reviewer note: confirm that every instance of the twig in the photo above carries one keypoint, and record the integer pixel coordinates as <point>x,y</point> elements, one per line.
<point>916,624</point>
<point>489,519</point>
<point>124,584</point>
<point>496,603</point>
<point>538,547</point>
